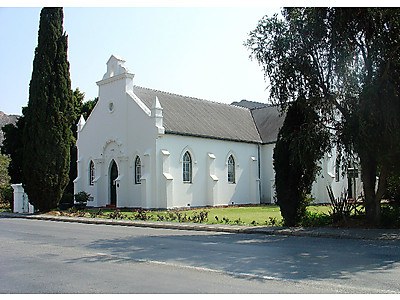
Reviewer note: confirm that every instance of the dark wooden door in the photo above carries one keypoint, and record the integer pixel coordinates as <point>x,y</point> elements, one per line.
<point>113,187</point>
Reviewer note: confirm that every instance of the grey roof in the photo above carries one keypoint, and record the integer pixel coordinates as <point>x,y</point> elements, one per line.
<point>248,104</point>
<point>195,117</point>
<point>268,121</point>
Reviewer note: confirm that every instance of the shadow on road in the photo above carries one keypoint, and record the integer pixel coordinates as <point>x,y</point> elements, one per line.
<point>281,257</point>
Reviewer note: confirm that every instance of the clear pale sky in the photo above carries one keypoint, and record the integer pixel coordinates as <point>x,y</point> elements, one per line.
<point>190,51</point>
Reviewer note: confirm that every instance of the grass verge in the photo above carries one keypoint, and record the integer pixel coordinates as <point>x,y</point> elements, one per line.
<point>266,215</point>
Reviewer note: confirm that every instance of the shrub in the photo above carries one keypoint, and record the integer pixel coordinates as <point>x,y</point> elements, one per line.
<point>8,196</point>
<point>390,217</point>
<point>178,215</point>
<point>272,221</point>
<point>238,221</point>
<point>74,211</point>
<point>99,213</point>
<point>67,201</point>
<point>199,217</point>
<point>312,219</point>
<point>393,189</point>
<point>81,199</point>
<point>116,214</point>
<point>226,220</point>
<point>141,215</point>
<point>171,216</point>
<point>341,207</point>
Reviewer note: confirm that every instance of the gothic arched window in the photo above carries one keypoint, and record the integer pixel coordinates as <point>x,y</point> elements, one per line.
<point>231,169</point>
<point>138,170</point>
<point>187,167</point>
<point>91,173</point>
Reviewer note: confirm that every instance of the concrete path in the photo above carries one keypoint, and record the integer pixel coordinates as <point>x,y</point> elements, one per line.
<point>343,233</point>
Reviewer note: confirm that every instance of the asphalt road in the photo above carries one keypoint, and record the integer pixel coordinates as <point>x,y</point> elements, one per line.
<point>56,257</point>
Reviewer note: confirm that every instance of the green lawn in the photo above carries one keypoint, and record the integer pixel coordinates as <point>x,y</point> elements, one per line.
<point>259,214</point>
<point>247,214</point>
<point>243,215</point>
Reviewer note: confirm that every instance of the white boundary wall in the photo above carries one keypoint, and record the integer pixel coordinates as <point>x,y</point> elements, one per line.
<point>21,204</point>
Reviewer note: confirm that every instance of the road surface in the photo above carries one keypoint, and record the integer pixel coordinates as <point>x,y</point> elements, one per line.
<point>57,257</point>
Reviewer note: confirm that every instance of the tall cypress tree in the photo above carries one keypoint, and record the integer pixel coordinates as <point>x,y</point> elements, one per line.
<point>47,135</point>
<point>302,142</point>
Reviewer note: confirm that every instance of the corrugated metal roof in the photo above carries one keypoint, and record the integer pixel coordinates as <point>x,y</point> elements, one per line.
<point>196,117</point>
<point>268,121</point>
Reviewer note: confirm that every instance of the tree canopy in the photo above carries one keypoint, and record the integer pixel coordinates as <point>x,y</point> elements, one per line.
<point>82,108</point>
<point>47,134</point>
<point>345,63</point>
<point>301,143</point>
<point>13,147</point>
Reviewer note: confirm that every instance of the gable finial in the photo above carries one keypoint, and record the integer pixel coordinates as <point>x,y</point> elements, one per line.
<point>156,104</point>
<point>81,123</point>
<point>156,113</point>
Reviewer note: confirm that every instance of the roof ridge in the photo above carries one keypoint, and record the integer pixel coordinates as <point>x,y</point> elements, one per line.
<point>193,98</point>
<point>255,125</point>
<point>264,106</point>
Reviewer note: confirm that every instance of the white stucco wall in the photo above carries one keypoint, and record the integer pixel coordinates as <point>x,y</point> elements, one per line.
<point>267,173</point>
<point>118,129</point>
<point>326,177</point>
<point>210,178</point>
<point>21,202</point>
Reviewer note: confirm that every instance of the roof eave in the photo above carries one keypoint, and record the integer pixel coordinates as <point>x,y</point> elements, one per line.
<point>212,137</point>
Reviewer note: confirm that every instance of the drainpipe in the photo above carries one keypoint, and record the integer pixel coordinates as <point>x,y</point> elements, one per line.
<point>259,171</point>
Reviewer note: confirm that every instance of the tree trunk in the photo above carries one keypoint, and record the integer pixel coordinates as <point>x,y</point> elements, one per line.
<point>373,196</point>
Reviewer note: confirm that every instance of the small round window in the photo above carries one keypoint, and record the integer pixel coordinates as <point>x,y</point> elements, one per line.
<point>111,107</point>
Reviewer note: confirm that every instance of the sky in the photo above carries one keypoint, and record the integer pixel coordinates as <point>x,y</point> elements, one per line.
<point>191,51</point>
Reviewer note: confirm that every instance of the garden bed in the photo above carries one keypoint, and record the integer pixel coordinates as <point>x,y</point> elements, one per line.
<point>256,215</point>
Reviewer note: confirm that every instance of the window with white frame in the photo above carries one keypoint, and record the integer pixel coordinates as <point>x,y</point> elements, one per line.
<point>91,173</point>
<point>187,167</point>
<point>231,169</point>
<point>138,170</point>
<point>337,170</point>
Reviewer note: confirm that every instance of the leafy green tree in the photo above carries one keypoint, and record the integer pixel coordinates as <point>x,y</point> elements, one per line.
<point>13,148</point>
<point>302,142</point>
<point>82,108</point>
<point>4,177</point>
<point>345,62</point>
<point>393,189</point>
<point>87,108</point>
<point>47,134</point>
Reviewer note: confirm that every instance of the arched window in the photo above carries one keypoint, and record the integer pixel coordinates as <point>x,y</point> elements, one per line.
<point>187,167</point>
<point>337,170</point>
<point>91,172</point>
<point>138,170</point>
<point>231,169</point>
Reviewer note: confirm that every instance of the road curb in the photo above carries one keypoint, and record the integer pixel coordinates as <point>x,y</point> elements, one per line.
<point>338,233</point>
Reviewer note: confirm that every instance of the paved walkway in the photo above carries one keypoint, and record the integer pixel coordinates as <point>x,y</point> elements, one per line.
<point>344,233</point>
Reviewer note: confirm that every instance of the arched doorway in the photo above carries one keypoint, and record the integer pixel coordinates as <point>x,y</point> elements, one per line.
<point>112,183</point>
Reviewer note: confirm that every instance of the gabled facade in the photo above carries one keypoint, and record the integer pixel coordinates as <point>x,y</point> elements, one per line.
<point>151,149</point>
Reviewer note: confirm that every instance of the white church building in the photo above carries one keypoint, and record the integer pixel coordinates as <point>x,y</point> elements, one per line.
<point>144,148</point>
